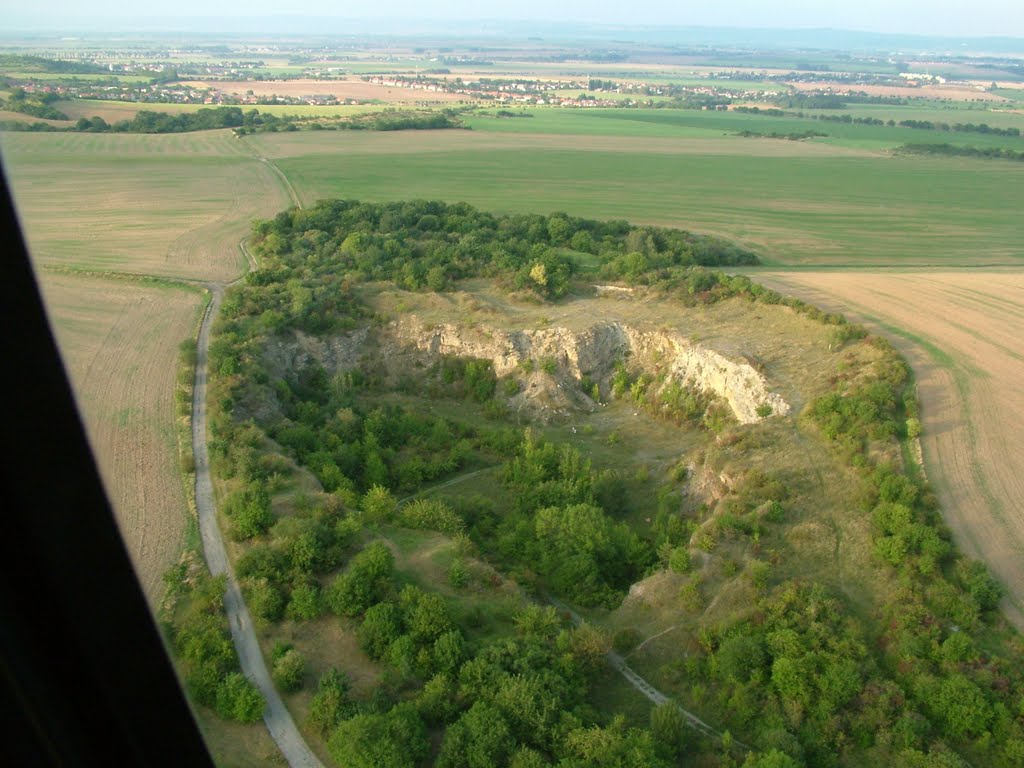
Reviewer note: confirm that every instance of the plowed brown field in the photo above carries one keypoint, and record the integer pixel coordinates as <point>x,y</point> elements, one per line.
<point>348,88</point>
<point>961,332</point>
<point>119,343</point>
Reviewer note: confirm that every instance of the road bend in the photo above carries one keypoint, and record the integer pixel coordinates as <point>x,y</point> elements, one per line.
<point>279,721</point>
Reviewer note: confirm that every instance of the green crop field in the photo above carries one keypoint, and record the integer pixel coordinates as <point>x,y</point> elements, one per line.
<point>682,123</point>
<point>795,203</point>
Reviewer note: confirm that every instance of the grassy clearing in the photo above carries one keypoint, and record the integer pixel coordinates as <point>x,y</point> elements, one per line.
<point>794,204</point>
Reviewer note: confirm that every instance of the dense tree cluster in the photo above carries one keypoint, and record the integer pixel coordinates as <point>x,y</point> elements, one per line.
<point>427,244</point>
<point>34,104</point>
<point>951,150</point>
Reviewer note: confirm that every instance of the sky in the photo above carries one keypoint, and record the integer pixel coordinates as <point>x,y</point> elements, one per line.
<point>927,17</point>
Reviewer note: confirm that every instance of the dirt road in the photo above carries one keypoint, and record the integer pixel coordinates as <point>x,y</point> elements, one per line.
<point>276,716</point>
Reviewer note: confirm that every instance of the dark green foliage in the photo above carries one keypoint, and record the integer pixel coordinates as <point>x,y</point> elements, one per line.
<point>264,599</point>
<point>997,153</point>
<point>202,643</point>
<point>382,625</point>
<point>613,747</point>
<point>289,669</point>
<point>329,705</point>
<point>669,729</point>
<point>560,530</point>
<point>249,511</point>
<point>771,759</point>
<point>238,699</point>
<point>430,514</point>
<point>741,657</point>
<point>364,582</point>
<point>585,555</point>
<point>979,584</point>
<point>396,739</point>
<point>403,242</point>
<point>458,573</point>
<point>625,640</point>
<point>36,105</point>
<point>305,603</point>
<point>479,739</point>
<point>465,377</point>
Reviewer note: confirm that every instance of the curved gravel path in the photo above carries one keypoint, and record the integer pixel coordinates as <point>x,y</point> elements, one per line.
<point>652,694</point>
<point>276,716</point>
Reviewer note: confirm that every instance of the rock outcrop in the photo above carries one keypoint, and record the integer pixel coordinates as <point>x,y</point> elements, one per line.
<point>593,354</point>
<point>549,363</point>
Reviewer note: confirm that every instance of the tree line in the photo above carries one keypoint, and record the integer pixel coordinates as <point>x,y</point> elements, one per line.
<point>207,119</point>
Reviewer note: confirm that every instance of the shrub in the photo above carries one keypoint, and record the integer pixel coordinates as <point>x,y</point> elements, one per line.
<point>289,669</point>
<point>679,560</point>
<point>329,704</point>
<point>458,574</point>
<point>305,603</point>
<point>238,699</point>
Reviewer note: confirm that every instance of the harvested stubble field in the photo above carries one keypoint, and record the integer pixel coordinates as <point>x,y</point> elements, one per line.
<point>347,88</point>
<point>168,205</point>
<point>119,340</point>
<point>172,206</point>
<point>960,331</point>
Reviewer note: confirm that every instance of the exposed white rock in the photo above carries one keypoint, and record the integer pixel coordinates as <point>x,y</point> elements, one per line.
<point>591,353</point>
<point>594,352</point>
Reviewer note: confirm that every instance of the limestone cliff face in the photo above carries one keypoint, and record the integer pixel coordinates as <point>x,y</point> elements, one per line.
<point>406,344</point>
<point>594,352</point>
<point>739,383</point>
<point>299,350</point>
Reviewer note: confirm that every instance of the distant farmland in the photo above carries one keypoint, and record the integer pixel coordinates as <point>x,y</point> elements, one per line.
<point>796,203</point>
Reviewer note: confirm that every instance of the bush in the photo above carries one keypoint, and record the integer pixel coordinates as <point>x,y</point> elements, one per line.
<point>238,699</point>
<point>265,600</point>
<point>458,574</point>
<point>397,739</point>
<point>249,512</point>
<point>289,669</point>
<point>305,603</point>
<point>679,560</point>
<point>363,583</point>
<point>330,703</point>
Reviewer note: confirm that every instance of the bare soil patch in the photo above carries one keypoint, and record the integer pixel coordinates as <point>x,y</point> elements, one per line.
<point>348,88</point>
<point>954,92</point>
<point>960,332</point>
<point>119,341</point>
